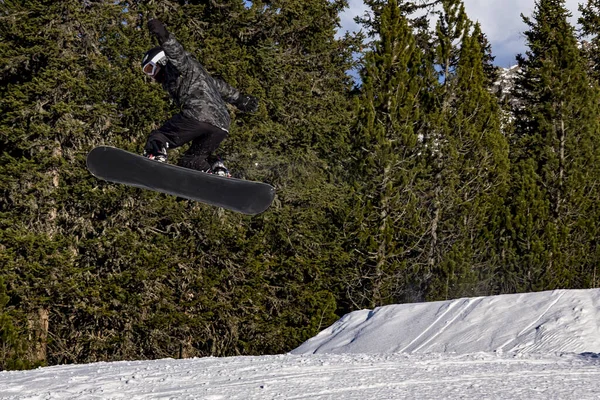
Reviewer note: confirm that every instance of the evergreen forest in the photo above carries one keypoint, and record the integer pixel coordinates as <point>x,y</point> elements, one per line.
<point>402,173</point>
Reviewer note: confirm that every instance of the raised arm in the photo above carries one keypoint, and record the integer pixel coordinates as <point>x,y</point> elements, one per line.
<point>180,60</point>
<point>173,49</point>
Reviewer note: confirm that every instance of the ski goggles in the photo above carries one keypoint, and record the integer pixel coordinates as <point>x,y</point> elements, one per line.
<point>151,66</point>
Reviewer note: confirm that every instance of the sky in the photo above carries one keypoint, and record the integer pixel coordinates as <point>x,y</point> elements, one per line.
<point>500,20</point>
<point>526,346</point>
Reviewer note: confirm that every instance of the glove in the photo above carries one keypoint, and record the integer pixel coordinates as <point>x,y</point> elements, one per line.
<point>247,104</point>
<point>158,29</point>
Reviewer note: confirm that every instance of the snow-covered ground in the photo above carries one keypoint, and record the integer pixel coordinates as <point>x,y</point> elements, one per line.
<point>530,346</point>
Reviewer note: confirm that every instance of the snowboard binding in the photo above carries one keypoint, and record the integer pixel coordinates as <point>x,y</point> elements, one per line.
<point>218,168</point>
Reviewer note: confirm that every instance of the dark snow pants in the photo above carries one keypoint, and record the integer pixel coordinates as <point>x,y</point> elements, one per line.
<point>180,130</point>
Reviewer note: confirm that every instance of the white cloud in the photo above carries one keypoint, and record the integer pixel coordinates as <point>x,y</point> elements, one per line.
<point>500,20</point>
<point>355,8</point>
<point>502,23</point>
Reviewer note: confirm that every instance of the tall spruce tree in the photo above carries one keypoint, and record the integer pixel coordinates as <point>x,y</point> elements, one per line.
<point>449,30</point>
<point>590,23</point>
<point>387,164</point>
<point>472,176</point>
<point>555,157</point>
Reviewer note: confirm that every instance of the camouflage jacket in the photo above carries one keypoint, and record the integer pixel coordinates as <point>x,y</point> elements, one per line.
<point>199,95</point>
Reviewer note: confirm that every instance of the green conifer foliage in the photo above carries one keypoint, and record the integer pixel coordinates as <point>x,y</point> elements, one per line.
<point>302,133</point>
<point>387,164</point>
<point>449,32</point>
<point>13,343</point>
<point>490,70</point>
<point>472,176</point>
<point>444,50</point>
<point>556,145</point>
<point>590,30</point>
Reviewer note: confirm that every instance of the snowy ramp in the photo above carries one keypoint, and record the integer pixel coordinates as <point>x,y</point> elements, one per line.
<point>544,322</point>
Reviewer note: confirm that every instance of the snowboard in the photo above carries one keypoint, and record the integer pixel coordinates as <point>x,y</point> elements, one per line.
<point>119,166</point>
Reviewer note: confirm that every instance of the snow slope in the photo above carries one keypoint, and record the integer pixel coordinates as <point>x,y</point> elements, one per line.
<point>529,346</point>
<point>548,322</point>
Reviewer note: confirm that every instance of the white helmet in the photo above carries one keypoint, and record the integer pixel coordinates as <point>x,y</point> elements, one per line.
<point>153,59</point>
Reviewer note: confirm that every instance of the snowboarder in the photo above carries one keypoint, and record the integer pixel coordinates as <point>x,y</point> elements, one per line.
<point>204,119</point>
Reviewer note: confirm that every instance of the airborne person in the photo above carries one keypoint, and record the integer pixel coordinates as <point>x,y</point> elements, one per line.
<point>204,119</point>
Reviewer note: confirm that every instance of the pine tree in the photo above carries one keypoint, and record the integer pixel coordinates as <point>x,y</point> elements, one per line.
<point>449,32</point>
<point>472,178</point>
<point>387,164</point>
<point>590,28</point>
<point>555,155</point>
<point>490,70</point>
<point>445,51</point>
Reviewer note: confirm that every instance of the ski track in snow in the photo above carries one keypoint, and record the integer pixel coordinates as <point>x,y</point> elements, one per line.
<point>438,330</point>
<point>525,346</point>
<point>536,321</point>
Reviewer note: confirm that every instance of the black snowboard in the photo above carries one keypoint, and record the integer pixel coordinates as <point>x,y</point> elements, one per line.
<point>120,166</point>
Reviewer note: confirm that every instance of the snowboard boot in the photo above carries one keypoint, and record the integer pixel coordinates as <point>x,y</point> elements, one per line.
<point>160,155</point>
<point>218,168</point>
